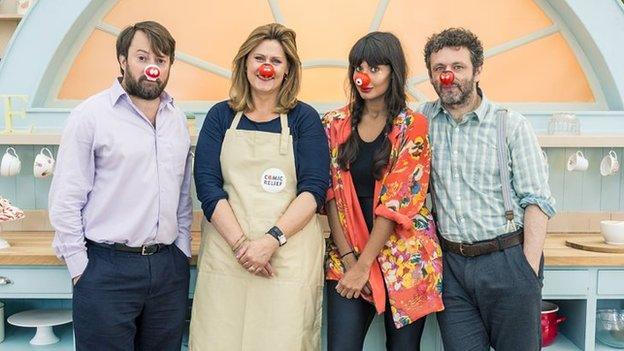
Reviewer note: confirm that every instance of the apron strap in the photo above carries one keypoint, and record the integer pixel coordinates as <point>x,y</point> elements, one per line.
<point>236,121</point>
<point>284,135</point>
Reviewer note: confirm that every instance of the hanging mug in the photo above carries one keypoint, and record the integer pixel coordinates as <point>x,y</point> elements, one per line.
<point>11,164</point>
<point>44,163</point>
<point>610,164</point>
<point>578,162</point>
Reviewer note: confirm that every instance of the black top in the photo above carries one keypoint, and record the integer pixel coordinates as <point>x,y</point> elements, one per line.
<point>363,179</point>
<point>309,144</point>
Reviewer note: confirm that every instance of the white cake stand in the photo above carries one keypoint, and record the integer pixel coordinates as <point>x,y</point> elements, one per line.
<point>43,320</point>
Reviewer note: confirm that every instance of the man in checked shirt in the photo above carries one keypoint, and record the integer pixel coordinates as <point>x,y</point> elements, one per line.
<point>493,260</point>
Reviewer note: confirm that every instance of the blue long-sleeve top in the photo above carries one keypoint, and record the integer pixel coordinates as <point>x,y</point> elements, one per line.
<point>309,144</point>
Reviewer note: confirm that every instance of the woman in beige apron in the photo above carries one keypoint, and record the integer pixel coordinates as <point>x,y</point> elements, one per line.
<point>259,291</point>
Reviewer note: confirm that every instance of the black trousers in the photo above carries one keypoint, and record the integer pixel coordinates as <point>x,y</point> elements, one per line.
<point>348,321</point>
<point>125,301</point>
<point>491,300</point>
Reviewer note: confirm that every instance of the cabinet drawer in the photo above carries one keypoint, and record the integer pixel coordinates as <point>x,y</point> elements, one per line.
<point>610,282</point>
<point>565,282</point>
<point>35,281</point>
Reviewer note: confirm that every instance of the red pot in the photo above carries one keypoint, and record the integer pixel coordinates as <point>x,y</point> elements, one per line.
<point>550,322</point>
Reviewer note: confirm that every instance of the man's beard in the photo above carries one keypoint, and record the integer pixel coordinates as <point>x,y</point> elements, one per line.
<point>143,88</point>
<point>453,97</point>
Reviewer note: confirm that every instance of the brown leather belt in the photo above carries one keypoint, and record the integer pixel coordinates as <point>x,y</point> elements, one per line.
<point>479,248</point>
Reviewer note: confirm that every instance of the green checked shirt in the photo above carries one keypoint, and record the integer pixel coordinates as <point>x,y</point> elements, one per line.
<point>465,176</point>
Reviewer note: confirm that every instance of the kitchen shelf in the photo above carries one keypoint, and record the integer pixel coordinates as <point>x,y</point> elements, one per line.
<point>585,140</point>
<point>602,347</point>
<point>46,138</point>
<point>18,339</point>
<point>546,141</point>
<point>562,344</point>
<point>30,139</point>
<point>10,17</point>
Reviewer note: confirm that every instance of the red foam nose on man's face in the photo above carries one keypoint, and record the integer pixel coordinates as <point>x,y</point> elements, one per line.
<point>362,80</point>
<point>266,71</point>
<point>447,78</point>
<point>152,72</point>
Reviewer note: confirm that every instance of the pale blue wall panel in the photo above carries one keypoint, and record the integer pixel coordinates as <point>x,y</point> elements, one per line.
<point>611,187</point>
<point>592,180</point>
<point>557,159</point>
<point>25,181</point>
<point>573,191</point>
<point>573,185</point>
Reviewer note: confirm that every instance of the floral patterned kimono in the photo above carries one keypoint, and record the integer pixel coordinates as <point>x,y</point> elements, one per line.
<point>411,260</point>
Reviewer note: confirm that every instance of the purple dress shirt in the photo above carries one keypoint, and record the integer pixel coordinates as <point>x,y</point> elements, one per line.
<point>119,179</point>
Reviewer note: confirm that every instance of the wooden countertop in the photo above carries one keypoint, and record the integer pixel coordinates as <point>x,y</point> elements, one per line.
<point>34,248</point>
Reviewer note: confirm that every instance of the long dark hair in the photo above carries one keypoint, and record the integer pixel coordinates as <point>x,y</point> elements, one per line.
<point>376,48</point>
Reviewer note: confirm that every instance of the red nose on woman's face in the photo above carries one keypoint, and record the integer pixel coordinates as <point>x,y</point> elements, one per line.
<point>362,80</point>
<point>266,70</point>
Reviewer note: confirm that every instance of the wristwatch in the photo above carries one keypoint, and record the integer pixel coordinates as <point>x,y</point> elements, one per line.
<point>278,235</point>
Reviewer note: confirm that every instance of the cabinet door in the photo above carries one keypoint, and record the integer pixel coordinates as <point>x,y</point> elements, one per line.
<point>611,282</point>
<point>27,282</point>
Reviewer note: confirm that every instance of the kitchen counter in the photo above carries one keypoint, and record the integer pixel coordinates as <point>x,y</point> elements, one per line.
<point>34,248</point>
<point>579,282</point>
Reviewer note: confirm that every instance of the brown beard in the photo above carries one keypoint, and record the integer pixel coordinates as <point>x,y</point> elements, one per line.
<point>452,98</point>
<point>144,91</point>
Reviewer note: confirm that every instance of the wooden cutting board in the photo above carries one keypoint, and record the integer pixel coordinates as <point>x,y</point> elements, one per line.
<point>593,243</point>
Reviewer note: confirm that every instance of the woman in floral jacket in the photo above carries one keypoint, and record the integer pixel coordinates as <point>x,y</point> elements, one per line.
<point>383,254</point>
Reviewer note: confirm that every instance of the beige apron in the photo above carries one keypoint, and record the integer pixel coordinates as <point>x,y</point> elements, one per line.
<point>232,308</point>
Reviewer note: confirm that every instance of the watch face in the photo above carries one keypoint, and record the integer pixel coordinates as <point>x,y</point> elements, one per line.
<point>282,239</point>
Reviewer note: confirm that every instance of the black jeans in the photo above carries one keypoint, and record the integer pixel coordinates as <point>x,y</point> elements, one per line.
<point>125,301</point>
<point>348,321</point>
<point>491,300</point>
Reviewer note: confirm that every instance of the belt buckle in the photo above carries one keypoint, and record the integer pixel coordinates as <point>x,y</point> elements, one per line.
<point>146,253</point>
<point>461,249</point>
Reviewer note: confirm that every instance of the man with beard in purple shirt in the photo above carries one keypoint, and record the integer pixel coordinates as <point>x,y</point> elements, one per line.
<point>120,203</point>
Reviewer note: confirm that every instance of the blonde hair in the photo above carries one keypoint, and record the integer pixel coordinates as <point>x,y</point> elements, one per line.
<point>240,91</point>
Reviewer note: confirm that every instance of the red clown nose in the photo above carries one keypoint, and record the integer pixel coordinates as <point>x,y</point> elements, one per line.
<point>152,72</point>
<point>447,78</point>
<point>362,80</point>
<point>266,71</point>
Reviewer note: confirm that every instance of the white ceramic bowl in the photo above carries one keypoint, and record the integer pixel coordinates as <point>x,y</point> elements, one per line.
<point>613,232</point>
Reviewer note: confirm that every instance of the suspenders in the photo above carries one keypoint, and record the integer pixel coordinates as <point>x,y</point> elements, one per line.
<point>503,161</point>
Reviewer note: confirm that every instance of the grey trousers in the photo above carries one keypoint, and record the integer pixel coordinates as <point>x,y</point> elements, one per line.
<point>492,300</point>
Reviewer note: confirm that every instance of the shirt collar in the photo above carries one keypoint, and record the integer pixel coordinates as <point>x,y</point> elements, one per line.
<point>117,91</point>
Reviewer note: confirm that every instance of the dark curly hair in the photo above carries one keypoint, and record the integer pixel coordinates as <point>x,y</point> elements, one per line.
<point>455,37</point>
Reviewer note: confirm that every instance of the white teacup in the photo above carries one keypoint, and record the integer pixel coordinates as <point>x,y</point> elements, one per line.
<point>578,162</point>
<point>11,164</point>
<point>44,164</point>
<point>610,164</point>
